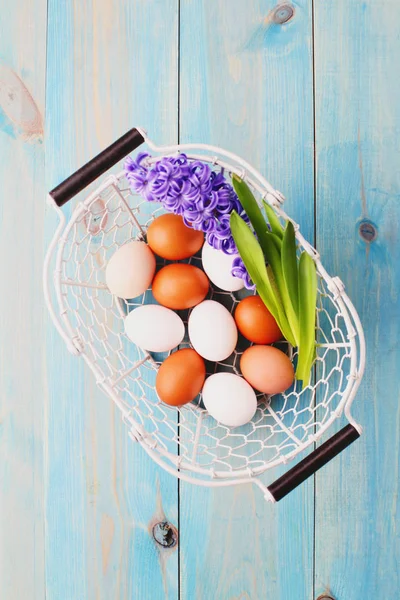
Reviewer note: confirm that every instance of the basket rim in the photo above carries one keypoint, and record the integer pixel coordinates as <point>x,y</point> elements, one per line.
<point>165,458</point>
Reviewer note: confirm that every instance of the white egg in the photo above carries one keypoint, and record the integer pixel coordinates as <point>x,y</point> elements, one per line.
<point>229,399</point>
<point>130,270</point>
<point>154,328</point>
<point>218,267</point>
<point>212,330</point>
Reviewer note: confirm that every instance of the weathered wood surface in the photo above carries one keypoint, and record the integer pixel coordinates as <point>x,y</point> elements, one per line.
<point>358,183</point>
<point>238,77</point>
<point>108,69</point>
<point>78,500</point>
<point>23,386</point>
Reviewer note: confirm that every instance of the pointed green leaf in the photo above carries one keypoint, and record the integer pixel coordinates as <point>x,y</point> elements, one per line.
<point>307,312</point>
<point>251,207</point>
<point>289,265</point>
<point>283,322</point>
<point>277,241</point>
<point>252,256</point>
<point>274,259</point>
<point>273,220</point>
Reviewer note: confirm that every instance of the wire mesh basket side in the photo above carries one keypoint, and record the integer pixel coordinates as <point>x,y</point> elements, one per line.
<point>282,426</point>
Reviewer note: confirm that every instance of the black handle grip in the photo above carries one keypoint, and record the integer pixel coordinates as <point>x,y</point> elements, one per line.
<point>97,166</point>
<point>317,459</point>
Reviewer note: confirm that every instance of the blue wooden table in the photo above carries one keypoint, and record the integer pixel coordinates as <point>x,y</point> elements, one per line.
<point>309,93</point>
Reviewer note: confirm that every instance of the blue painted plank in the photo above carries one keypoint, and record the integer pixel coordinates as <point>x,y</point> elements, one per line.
<point>246,85</point>
<point>22,353</point>
<point>108,70</point>
<point>357,149</point>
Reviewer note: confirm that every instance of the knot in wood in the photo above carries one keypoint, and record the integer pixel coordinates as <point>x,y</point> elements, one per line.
<point>368,231</point>
<point>282,14</point>
<point>165,534</point>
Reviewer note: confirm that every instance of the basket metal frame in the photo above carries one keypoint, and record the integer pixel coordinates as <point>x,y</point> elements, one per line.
<point>174,464</point>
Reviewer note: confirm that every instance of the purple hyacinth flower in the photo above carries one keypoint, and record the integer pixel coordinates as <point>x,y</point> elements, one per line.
<point>174,200</point>
<point>139,176</point>
<point>223,229</point>
<point>182,161</point>
<point>224,194</point>
<point>191,189</point>
<point>228,245</point>
<point>210,204</point>
<point>194,216</point>
<point>240,271</point>
<point>218,180</point>
<point>131,165</point>
<point>208,225</point>
<point>164,176</point>
<point>201,177</point>
<point>214,240</point>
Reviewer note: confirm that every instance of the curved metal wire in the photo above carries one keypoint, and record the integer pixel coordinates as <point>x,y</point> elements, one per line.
<point>186,440</point>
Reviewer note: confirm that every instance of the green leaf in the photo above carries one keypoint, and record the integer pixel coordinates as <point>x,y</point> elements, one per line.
<point>277,241</point>
<point>274,285</point>
<point>274,259</point>
<point>276,226</point>
<point>253,258</point>
<point>307,312</point>
<point>289,266</point>
<point>251,207</point>
<point>282,321</point>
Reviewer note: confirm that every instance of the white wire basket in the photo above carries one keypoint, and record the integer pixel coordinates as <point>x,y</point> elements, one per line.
<point>187,441</point>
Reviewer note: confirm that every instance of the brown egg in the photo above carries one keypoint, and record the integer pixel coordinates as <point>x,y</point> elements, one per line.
<point>169,237</point>
<point>180,378</point>
<point>255,322</point>
<point>180,286</point>
<point>267,369</point>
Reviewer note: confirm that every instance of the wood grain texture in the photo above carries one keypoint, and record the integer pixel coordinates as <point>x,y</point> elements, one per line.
<point>78,499</point>
<point>22,354</point>
<point>358,150</point>
<point>109,69</point>
<point>240,75</point>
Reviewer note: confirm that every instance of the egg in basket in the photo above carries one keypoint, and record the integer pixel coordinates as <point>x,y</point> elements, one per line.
<point>204,314</point>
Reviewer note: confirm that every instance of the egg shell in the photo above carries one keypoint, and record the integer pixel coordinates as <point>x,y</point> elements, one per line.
<point>170,238</point>
<point>154,328</point>
<point>218,267</point>
<point>180,286</point>
<point>130,270</point>
<point>255,322</point>
<point>212,330</point>
<point>229,399</point>
<point>180,377</point>
<point>267,369</point>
